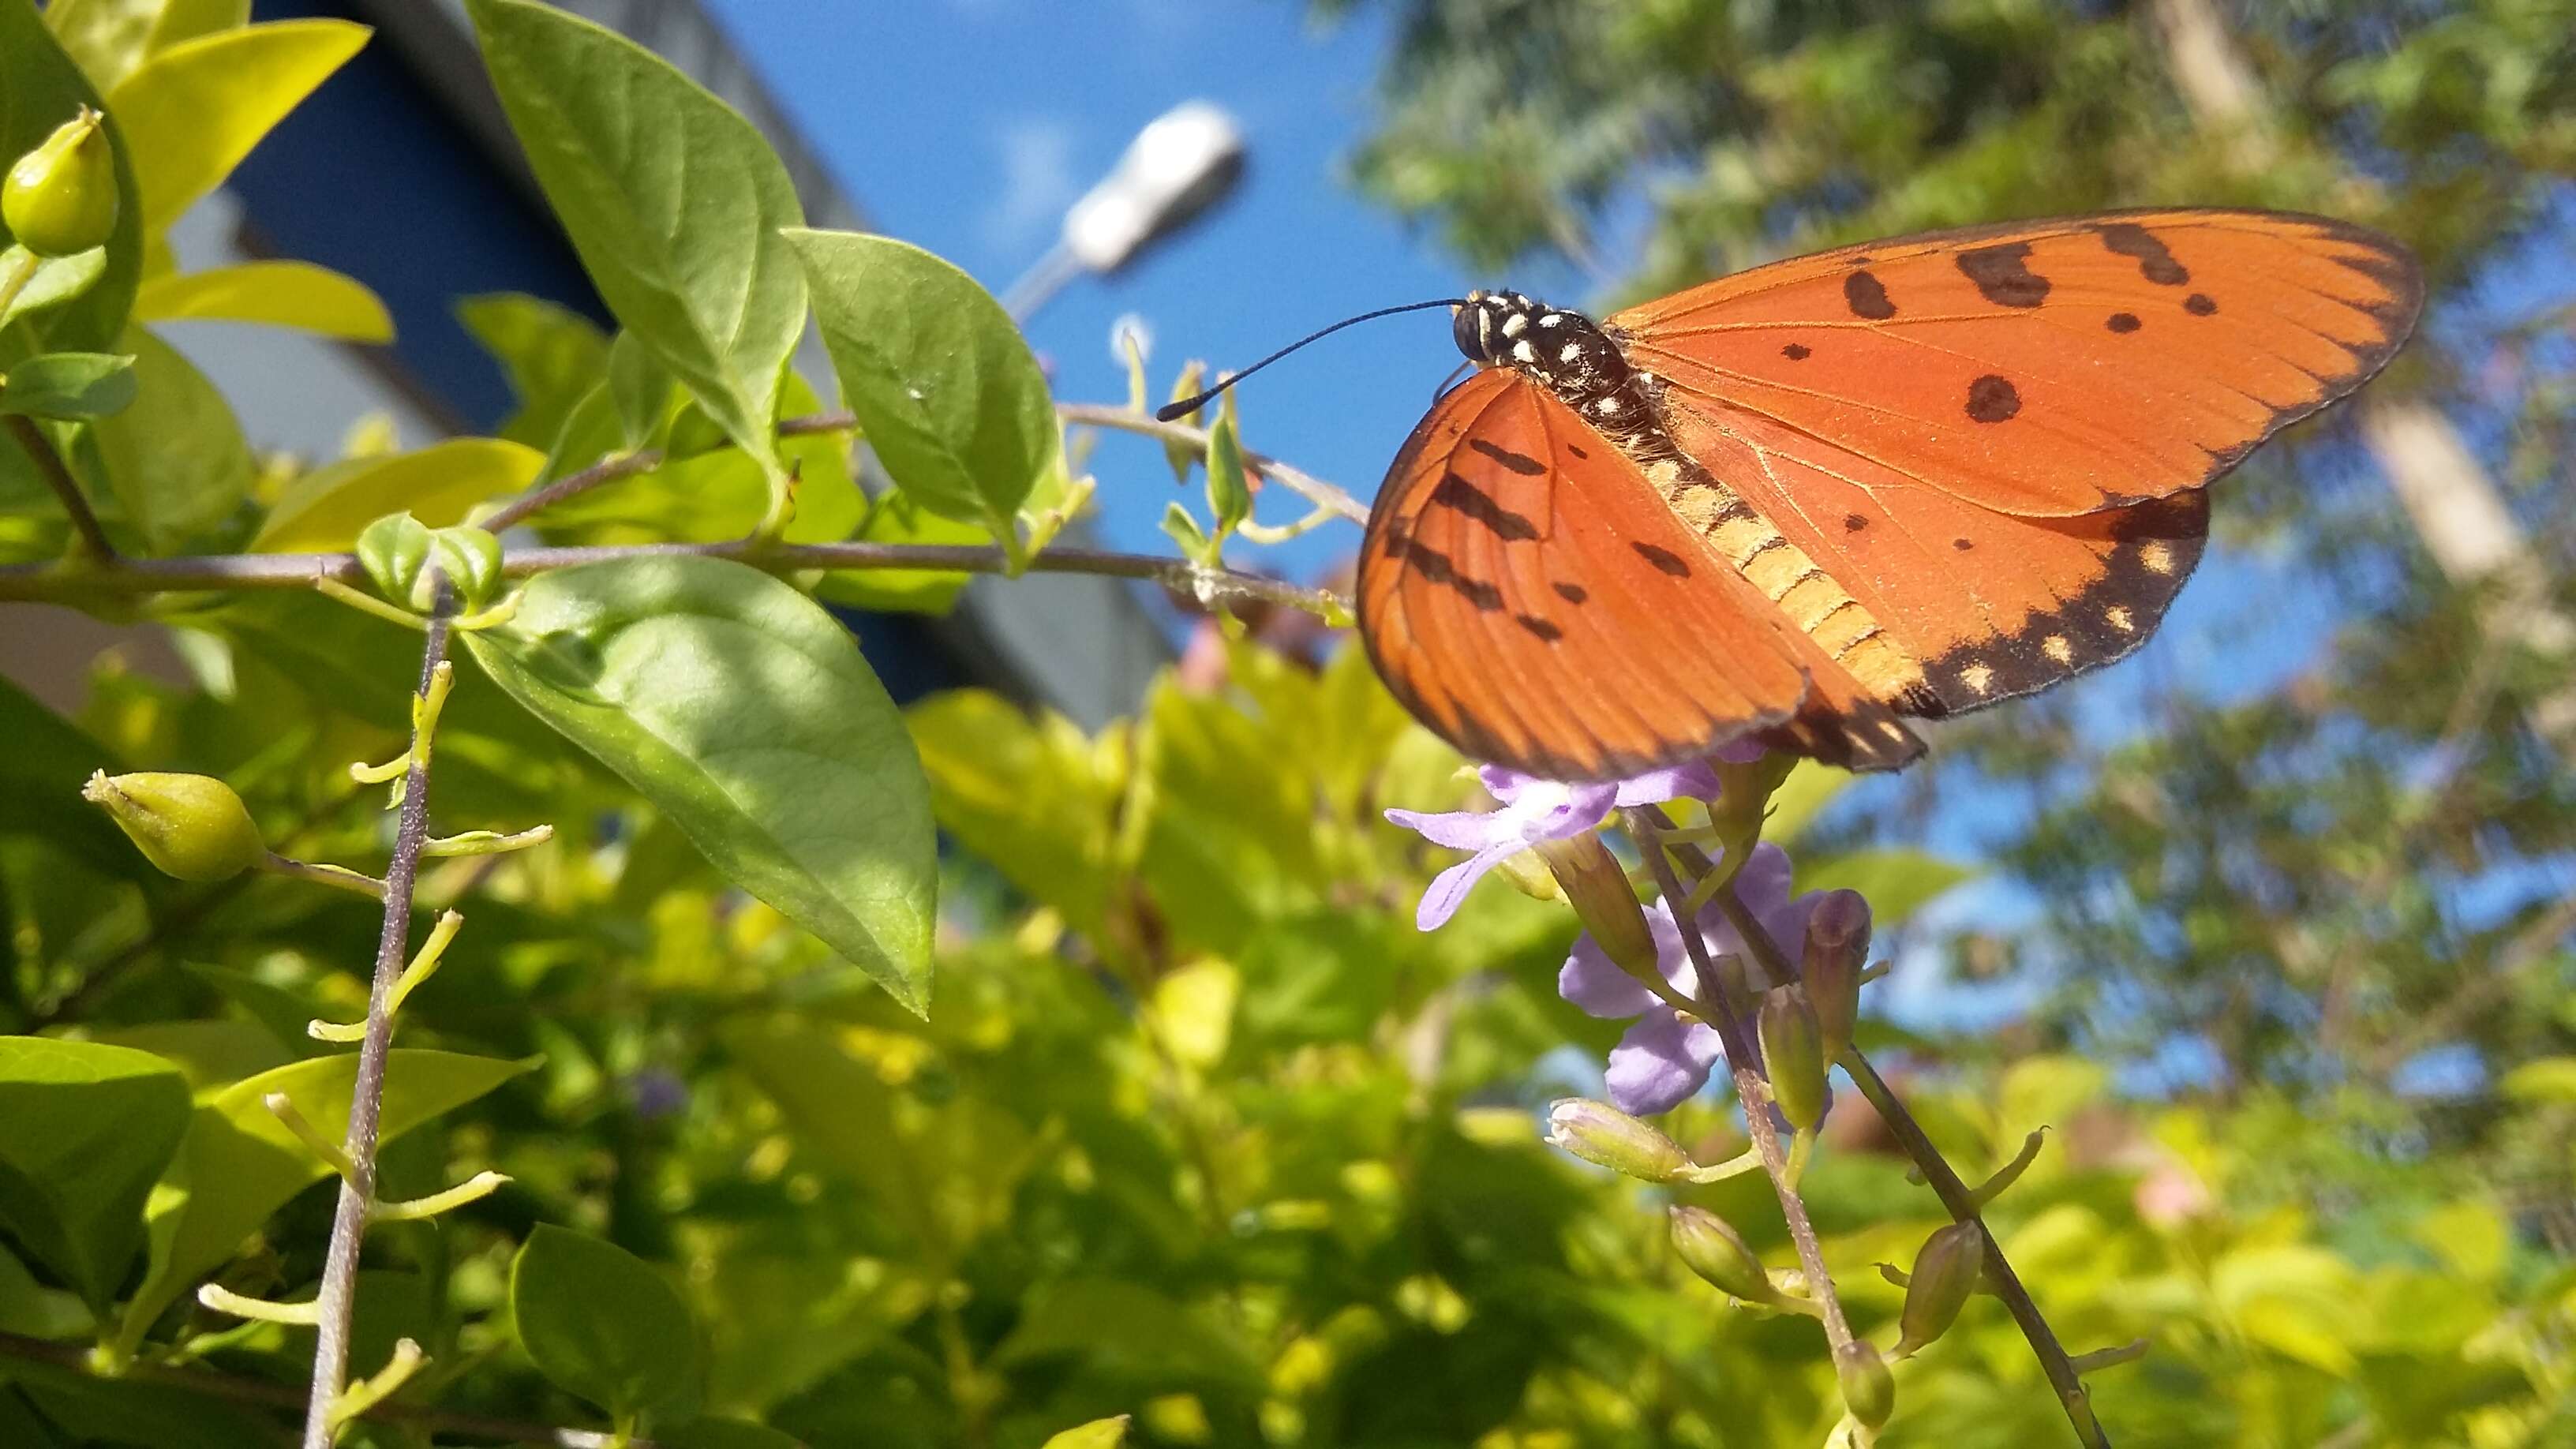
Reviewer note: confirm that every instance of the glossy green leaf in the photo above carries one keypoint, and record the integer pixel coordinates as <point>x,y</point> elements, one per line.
<point>897,519</point>
<point>299,295</point>
<point>711,496</point>
<point>69,385</point>
<point>238,1163</point>
<point>942,383</point>
<point>551,354</point>
<point>639,387</point>
<point>92,1411</point>
<point>109,38</point>
<point>746,714</point>
<point>176,461</point>
<point>40,88</point>
<point>1098,1434</point>
<point>328,507</point>
<point>84,1130</point>
<point>57,280</point>
<point>673,201</point>
<point>31,1308</point>
<point>207,1053</point>
<point>602,1323</point>
<point>192,112</point>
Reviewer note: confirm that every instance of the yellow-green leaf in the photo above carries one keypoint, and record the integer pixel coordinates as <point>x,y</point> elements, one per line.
<point>273,294</point>
<point>326,508</point>
<point>111,37</point>
<point>191,113</point>
<point>1098,1434</point>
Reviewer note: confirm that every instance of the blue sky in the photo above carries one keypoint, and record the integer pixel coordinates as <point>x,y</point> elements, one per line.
<point>968,126</point>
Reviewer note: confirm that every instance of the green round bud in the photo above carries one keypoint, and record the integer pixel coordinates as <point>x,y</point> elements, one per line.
<point>1715,1251</point>
<point>1604,1135</point>
<point>1869,1386</point>
<point>1945,1273</point>
<point>60,199</point>
<point>1793,1053</point>
<point>190,826</point>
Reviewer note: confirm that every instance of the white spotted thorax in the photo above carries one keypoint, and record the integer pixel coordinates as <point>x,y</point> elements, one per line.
<point>1565,352</point>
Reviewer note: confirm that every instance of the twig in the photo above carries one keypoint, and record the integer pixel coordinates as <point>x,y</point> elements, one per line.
<point>338,1299</point>
<point>75,1358</point>
<point>1296,480</point>
<point>233,573</point>
<point>49,466</point>
<point>1755,1092</point>
<point>1945,1183</point>
<point>609,470</point>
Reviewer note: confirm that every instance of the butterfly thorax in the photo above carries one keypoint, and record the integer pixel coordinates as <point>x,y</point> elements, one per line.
<point>1568,354</point>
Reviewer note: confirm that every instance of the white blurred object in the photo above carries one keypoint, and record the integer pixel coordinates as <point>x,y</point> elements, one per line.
<point>1184,162</point>
<point>1130,328</point>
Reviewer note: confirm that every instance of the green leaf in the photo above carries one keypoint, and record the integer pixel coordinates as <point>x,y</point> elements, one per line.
<point>40,776</point>
<point>746,714</point>
<point>40,88</point>
<point>897,519</point>
<point>176,461</point>
<point>31,1308</point>
<point>1098,1434</point>
<point>942,384</point>
<point>1182,456</point>
<point>724,1434</point>
<point>840,1106</point>
<point>299,295</point>
<point>1130,1328</point>
<point>111,37</point>
<point>327,508</point>
<point>711,496</point>
<point>122,1411</point>
<point>1184,531</point>
<point>84,1130</point>
<point>640,387</point>
<point>195,110</point>
<point>57,280</point>
<point>2547,1079</point>
<point>207,1053</point>
<point>601,1323</point>
<point>239,1164</point>
<point>673,201</point>
<point>552,355</point>
<point>69,385</point>
<point>1897,882</point>
<point>1229,496</point>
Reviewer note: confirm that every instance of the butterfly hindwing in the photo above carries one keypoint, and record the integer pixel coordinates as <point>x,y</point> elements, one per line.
<point>2043,369</point>
<point>1529,597</point>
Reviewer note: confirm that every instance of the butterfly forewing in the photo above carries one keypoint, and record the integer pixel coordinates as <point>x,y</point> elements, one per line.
<point>2043,369</point>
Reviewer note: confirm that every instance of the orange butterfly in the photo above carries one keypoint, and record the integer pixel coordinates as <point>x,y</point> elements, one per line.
<point>1801,503</point>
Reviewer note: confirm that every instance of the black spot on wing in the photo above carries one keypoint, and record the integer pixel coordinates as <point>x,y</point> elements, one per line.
<point>2155,260</point>
<point>1576,451</point>
<point>1993,399</point>
<point>1456,492</point>
<point>1866,295</point>
<point>1521,463</point>
<point>1854,523</point>
<point>1436,567</point>
<point>1797,352</point>
<point>2199,304</point>
<point>2003,275</point>
<point>1961,544</point>
<point>1664,560</point>
<point>2123,322</point>
<point>1573,593</point>
<point>1538,626</point>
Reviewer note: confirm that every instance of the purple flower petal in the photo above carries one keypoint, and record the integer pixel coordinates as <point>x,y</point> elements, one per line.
<point>1459,829</point>
<point>1660,1063</point>
<point>1449,888</point>
<point>1763,884</point>
<point>1695,781</point>
<point>1595,985</point>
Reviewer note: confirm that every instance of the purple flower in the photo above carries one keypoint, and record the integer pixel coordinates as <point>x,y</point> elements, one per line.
<point>1533,810</point>
<point>1664,1058</point>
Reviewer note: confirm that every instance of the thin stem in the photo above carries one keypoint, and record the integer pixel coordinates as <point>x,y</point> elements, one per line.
<point>625,465</point>
<point>234,573</point>
<point>1727,1017</point>
<point>75,1358</point>
<point>1955,1195</point>
<point>49,466</point>
<point>1296,480</point>
<point>337,1302</point>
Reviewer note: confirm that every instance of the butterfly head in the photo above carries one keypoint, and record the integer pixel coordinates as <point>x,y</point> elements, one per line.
<point>1564,351</point>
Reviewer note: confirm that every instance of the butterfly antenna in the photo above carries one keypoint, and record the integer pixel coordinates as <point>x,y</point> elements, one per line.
<point>1174,412</point>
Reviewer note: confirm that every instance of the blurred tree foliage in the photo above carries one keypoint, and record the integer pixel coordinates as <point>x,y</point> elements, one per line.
<point>2346,886</point>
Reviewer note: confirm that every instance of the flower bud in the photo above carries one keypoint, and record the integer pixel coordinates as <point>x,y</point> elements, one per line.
<point>1945,1273</point>
<point>1869,1387</point>
<point>60,199</point>
<point>1793,1054</point>
<point>191,826</point>
<point>1528,875</point>
<point>1602,1134</point>
<point>392,550</point>
<point>1716,1252</point>
<point>1596,885</point>
<point>1837,946</point>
